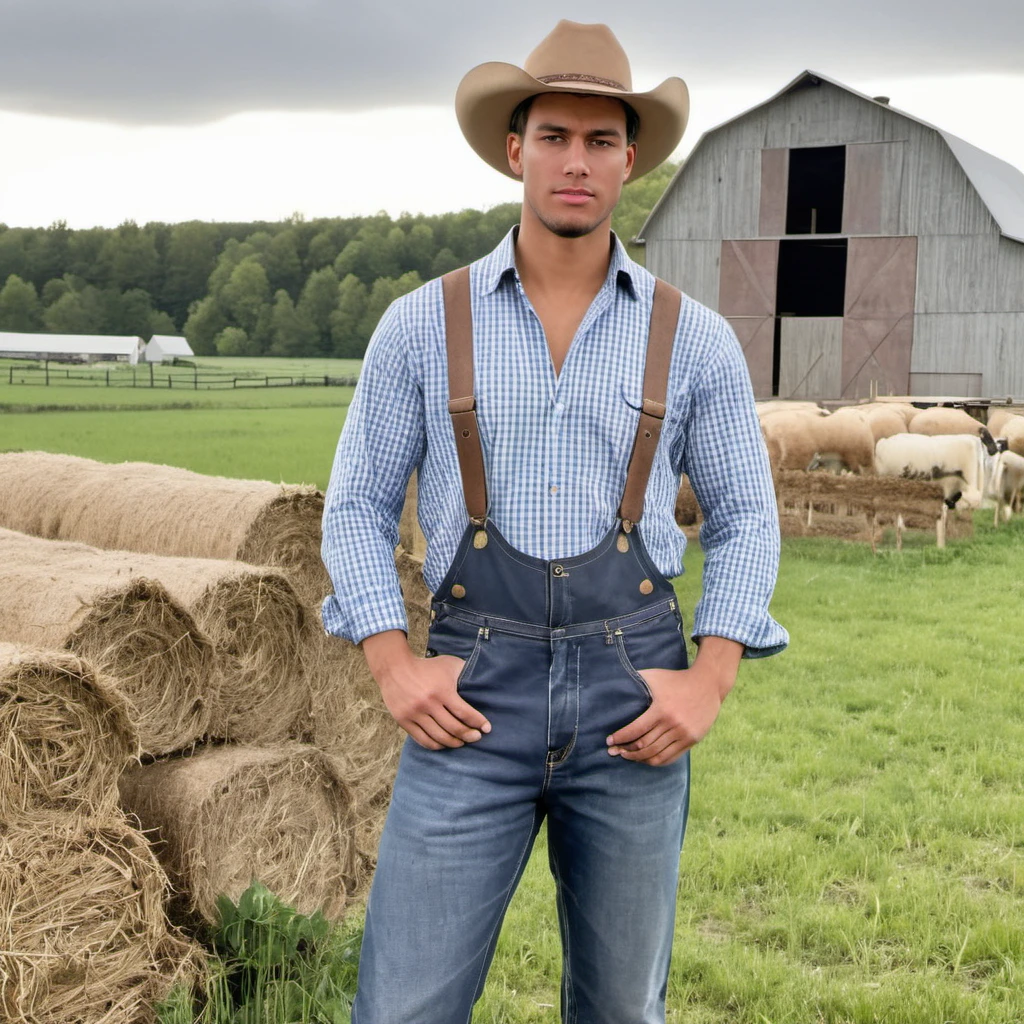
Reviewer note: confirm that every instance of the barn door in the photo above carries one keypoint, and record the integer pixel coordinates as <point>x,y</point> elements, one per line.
<point>878,326</point>
<point>746,298</point>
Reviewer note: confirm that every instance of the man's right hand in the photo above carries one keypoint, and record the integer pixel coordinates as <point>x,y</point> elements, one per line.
<point>421,693</point>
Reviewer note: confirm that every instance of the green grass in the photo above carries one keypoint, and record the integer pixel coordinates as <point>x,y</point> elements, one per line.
<point>294,445</point>
<point>173,386</point>
<point>855,853</point>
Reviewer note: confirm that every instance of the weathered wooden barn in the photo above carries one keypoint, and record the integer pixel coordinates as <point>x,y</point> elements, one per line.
<point>853,248</point>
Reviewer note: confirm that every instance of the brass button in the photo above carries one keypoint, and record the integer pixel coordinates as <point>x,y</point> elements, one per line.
<point>458,591</point>
<point>646,587</point>
<point>558,570</point>
<point>622,543</point>
<point>480,539</point>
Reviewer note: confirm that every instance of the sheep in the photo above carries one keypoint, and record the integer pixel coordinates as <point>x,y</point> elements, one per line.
<point>882,419</point>
<point>1012,428</point>
<point>1007,484</point>
<point>799,438</point>
<point>940,420</point>
<point>768,407</point>
<point>998,416</point>
<point>956,461</point>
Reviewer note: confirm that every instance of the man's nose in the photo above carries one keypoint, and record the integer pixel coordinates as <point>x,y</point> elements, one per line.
<point>576,158</point>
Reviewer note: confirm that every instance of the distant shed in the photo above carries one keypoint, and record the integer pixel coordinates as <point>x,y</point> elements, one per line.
<point>83,348</point>
<point>852,247</point>
<point>163,348</point>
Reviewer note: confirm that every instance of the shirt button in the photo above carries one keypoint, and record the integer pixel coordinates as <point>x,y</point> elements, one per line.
<point>559,407</point>
<point>554,488</point>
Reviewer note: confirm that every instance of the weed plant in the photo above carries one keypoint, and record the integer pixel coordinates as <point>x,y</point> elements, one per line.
<point>269,964</point>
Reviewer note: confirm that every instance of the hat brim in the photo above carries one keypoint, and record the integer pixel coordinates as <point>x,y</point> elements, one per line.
<point>489,93</point>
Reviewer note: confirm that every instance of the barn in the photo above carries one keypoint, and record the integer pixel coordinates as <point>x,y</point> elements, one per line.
<point>70,348</point>
<point>854,248</point>
<point>165,348</point>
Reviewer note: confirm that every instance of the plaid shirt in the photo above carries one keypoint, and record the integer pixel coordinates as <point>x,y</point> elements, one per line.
<point>556,449</point>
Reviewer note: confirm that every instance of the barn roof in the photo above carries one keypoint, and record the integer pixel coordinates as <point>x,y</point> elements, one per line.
<point>63,344</point>
<point>172,346</point>
<point>999,184</point>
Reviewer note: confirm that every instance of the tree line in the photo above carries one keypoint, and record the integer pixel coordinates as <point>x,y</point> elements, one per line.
<point>291,288</point>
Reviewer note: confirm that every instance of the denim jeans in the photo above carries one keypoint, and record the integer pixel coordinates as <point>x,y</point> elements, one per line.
<point>554,680</point>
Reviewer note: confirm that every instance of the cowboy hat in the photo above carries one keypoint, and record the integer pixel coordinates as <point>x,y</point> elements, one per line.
<point>574,58</point>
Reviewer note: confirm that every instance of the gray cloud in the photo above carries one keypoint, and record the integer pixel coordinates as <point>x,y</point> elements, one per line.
<point>151,61</point>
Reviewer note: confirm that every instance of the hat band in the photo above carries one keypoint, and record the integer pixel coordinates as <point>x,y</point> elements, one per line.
<point>608,83</point>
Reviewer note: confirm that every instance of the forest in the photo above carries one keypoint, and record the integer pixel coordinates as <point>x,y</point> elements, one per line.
<point>292,288</point>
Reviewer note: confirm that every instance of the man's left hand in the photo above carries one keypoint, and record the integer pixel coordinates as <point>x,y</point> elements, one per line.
<point>685,705</point>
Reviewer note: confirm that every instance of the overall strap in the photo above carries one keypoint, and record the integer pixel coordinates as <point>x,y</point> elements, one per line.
<point>458,323</point>
<point>660,337</point>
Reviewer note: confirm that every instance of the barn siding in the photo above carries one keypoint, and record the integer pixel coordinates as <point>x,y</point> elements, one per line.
<point>810,357</point>
<point>689,265</point>
<point>964,267</point>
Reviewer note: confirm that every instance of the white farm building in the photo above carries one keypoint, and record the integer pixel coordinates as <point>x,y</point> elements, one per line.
<point>163,348</point>
<point>69,348</point>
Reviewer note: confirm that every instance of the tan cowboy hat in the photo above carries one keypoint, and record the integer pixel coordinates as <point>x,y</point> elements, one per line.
<point>574,58</point>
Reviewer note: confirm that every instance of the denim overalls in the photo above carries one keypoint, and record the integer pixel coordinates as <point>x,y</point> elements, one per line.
<point>552,651</point>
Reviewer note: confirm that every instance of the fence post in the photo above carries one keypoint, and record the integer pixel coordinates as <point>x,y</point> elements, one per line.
<point>108,378</point>
<point>195,378</point>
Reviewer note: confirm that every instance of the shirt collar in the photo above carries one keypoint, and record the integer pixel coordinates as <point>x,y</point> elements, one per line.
<point>501,264</point>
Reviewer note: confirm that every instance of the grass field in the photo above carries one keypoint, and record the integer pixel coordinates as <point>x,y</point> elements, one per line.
<point>855,853</point>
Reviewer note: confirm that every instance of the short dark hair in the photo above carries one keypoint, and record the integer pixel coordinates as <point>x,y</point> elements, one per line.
<point>517,122</point>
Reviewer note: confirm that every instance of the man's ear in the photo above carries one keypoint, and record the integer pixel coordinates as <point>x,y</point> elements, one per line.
<point>630,160</point>
<point>514,151</point>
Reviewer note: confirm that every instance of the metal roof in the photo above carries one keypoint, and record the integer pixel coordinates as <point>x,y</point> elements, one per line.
<point>76,344</point>
<point>999,184</point>
<point>170,345</point>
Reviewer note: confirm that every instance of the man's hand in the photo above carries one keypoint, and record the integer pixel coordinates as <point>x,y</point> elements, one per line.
<point>421,693</point>
<point>685,705</point>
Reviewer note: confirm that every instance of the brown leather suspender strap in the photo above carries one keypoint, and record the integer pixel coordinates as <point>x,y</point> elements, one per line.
<point>458,324</point>
<point>660,338</point>
<point>458,318</point>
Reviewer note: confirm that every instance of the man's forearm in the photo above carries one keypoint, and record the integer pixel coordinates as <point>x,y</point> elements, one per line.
<point>720,658</point>
<point>387,653</point>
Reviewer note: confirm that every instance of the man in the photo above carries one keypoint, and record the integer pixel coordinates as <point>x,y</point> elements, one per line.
<point>549,402</point>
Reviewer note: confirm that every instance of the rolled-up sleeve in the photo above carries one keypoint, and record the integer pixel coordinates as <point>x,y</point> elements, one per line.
<point>381,443</point>
<point>725,458</point>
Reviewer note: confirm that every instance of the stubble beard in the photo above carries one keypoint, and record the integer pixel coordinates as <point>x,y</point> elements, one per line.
<point>567,228</point>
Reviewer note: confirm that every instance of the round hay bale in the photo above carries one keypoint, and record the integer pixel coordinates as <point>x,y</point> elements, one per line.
<point>229,814</point>
<point>253,617</point>
<point>85,935</point>
<point>129,627</point>
<point>688,511</point>
<point>162,510</point>
<point>65,733</point>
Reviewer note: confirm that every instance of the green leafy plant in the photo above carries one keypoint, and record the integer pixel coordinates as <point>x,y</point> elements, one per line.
<point>270,964</point>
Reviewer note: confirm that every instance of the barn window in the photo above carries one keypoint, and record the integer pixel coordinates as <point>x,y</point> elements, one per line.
<point>817,176</point>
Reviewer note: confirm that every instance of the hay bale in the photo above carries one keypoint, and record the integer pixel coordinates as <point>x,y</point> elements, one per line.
<point>688,511</point>
<point>162,510</point>
<point>255,620</point>
<point>229,814</point>
<point>65,733</point>
<point>65,596</point>
<point>85,939</point>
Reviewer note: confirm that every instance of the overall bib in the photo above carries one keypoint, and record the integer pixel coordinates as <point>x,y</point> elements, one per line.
<point>552,654</point>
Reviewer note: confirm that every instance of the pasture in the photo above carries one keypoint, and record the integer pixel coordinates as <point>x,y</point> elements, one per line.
<point>855,853</point>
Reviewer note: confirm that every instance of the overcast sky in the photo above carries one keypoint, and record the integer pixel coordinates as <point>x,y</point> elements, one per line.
<point>246,109</point>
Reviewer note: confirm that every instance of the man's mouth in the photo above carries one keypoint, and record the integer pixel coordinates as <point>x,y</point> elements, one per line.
<point>575,196</point>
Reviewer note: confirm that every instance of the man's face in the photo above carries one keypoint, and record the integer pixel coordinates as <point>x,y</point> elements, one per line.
<point>573,159</point>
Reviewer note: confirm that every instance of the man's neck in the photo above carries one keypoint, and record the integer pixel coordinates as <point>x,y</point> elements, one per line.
<point>551,265</point>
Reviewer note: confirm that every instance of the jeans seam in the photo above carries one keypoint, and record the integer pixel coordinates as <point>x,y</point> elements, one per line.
<point>567,986</point>
<point>509,893</point>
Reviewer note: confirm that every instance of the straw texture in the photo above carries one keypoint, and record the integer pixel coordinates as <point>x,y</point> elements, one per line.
<point>83,935</point>
<point>67,596</point>
<point>65,733</point>
<point>229,814</point>
<point>162,510</point>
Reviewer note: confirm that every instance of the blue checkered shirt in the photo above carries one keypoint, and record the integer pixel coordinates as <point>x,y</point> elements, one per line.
<point>556,449</point>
